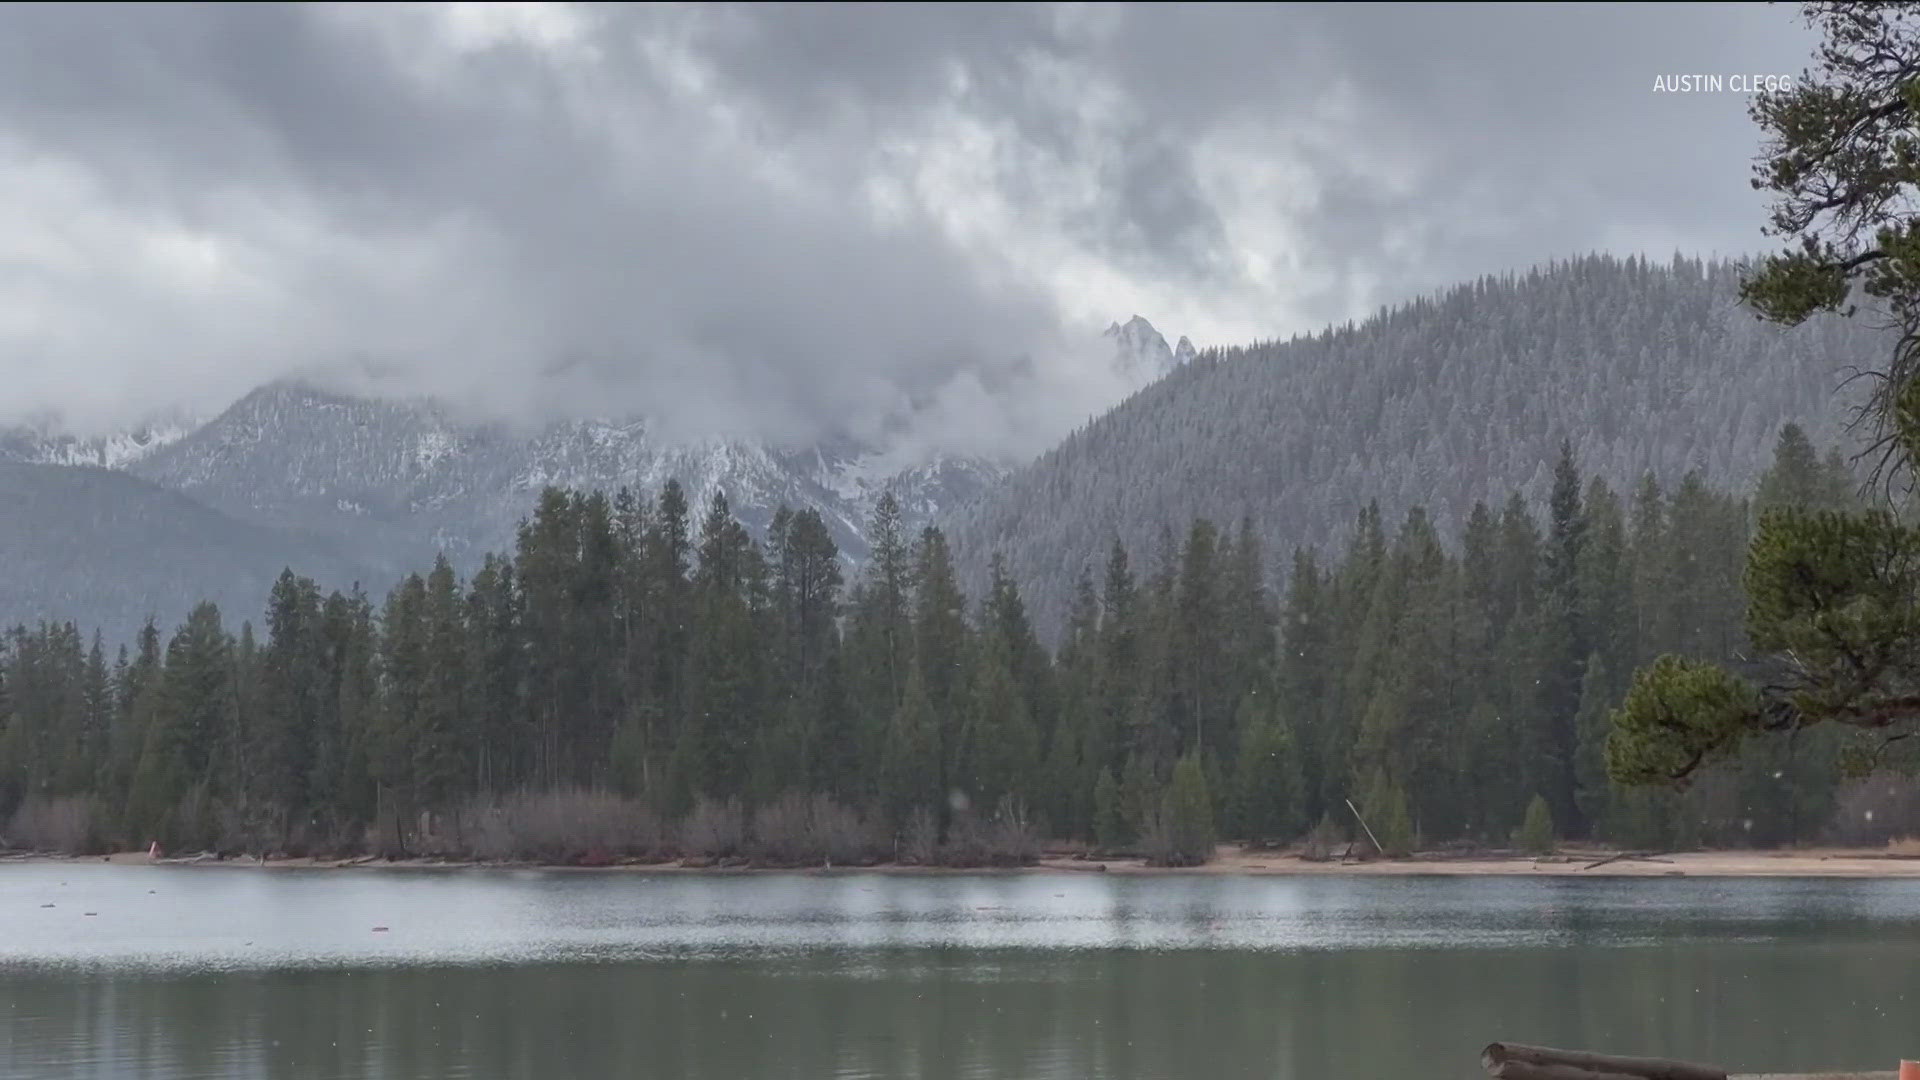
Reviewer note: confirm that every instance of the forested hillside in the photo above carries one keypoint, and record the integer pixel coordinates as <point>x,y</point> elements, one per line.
<point>1454,683</point>
<point>1441,403</point>
<point>108,550</point>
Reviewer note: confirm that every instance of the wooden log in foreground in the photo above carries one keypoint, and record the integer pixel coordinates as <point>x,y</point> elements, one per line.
<point>1513,1061</point>
<point>1818,1076</point>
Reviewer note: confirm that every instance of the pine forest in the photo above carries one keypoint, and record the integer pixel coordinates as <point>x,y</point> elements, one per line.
<point>639,680</point>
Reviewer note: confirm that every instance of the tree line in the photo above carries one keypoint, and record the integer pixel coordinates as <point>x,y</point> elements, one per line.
<point>1831,592</point>
<point>1450,692</point>
<point>1441,402</point>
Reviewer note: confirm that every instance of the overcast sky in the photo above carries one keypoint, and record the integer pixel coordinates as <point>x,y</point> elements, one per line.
<point>777,221</point>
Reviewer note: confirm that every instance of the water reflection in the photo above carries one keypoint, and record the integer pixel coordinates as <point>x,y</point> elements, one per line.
<point>218,973</point>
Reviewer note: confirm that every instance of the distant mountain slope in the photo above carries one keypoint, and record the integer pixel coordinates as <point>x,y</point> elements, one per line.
<point>394,481</point>
<point>38,446</point>
<point>398,480</point>
<point>345,487</point>
<point>1441,402</point>
<point>106,550</point>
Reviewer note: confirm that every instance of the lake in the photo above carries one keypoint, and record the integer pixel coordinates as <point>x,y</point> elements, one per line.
<point>221,972</point>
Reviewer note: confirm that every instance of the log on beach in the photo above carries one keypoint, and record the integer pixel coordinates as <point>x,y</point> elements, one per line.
<point>1514,1061</point>
<point>1648,856</point>
<point>1818,1076</point>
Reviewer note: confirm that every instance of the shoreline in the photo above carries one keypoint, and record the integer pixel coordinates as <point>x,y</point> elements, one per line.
<point>1896,862</point>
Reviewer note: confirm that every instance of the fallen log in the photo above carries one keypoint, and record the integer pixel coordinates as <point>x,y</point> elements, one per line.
<point>1649,856</point>
<point>1513,1061</point>
<point>1815,1077</point>
<point>1364,825</point>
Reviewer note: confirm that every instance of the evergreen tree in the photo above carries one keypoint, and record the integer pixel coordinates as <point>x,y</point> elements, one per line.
<point>610,649</point>
<point>726,681</point>
<point>136,690</point>
<point>1650,571</point>
<point>1188,816</point>
<point>97,703</point>
<point>175,783</point>
<point>1267,780</point>
<point>1596,790</point>
<point>440,742</point>
<point>1077,745</point>
<point>910,757</point>
<point>1000,748</point>
<point>294,693</point>
<point>398,711</point>
<point>1112,739</point>
<point>1564,644</point>
<point>496,691</point>
<point>1110,830</point>
<point>941,643</point>
<point>1304,681</point>
<point>1385,813</point>
<point>1364,595</point>
<point>1605,583</point>
<point>1799,478</point>
<point>1536,833</point>
<point>808,587</point>
<point>880,631</point>
<point>546,563</point>
<point>1197,646</point>
<point>356,641</point>
<point>667,553</point>
<point>245,820</point>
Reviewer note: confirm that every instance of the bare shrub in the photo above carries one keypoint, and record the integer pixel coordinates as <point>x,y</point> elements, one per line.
<point>71,825</point>
<point>565,825</point>
<point>842,834</point>
<point>920,845</point>
<point>1014,837</point>
<point>193,824</point>
<point>244,828</point>
<point>235,832</point>
<point>783,833</point>
<point>332,837</point>
<point>714,830</point>
<point>1156,837</point>
<point>966,843</point>
<point>801,830</point>
<point>1325,839</point>
<point>383,835</point>
<point>1007,838</point>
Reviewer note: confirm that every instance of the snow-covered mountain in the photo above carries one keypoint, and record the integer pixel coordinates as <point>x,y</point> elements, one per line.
<point>397,480</point>
<point>42,444</point>
<point>361,489</point>
<point>393,481</point>
<point>1141,353</point>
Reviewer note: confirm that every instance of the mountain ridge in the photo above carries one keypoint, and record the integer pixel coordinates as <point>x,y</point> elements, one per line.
<point>107,550</point>
<point>1448,399</point>
<point>388,483</point>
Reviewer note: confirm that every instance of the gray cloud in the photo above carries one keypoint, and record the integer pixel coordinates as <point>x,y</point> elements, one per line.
<point>782,221</point>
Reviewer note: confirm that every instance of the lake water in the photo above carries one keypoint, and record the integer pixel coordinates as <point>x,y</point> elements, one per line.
<point>184,972</point>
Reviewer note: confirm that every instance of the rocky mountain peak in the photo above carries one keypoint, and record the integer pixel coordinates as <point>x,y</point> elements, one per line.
<point>1141,353</point>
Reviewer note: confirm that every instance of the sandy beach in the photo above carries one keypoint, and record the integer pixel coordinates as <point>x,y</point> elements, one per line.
<point>1897,861</point>
<point>1836,862</point>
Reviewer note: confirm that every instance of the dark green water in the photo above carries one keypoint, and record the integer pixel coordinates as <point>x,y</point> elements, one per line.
<point>255,973</point>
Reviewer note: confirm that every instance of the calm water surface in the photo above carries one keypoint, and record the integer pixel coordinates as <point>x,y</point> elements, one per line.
<point>267,973</point>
